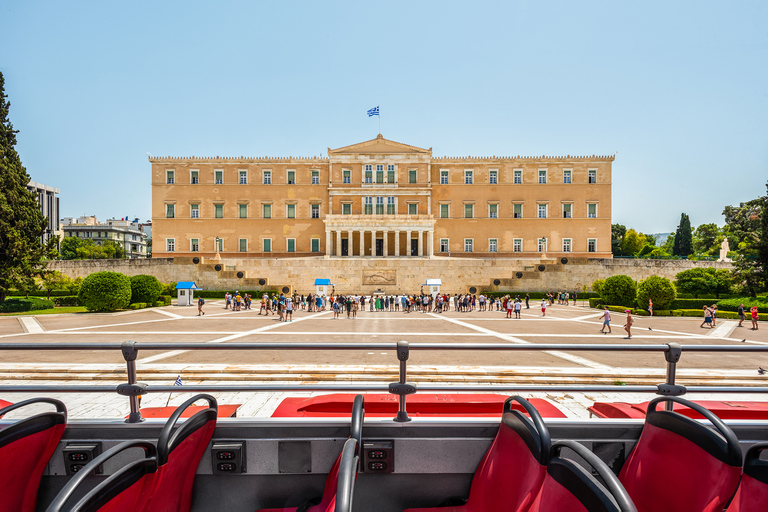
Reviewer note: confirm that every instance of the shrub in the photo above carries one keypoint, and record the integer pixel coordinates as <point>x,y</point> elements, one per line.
<point>704,281</point>
<point>138,305</point>
<point>658,289</point>
<point>692,303</point>
<point>145,288</point>
<point>596,302</point>
<point>105,291</point>
<point>597,285</point>
<point>166,299</point>
<point>159,304</point>
<point>19,305</point>
<point>619,290</point>
<point>733,304</point>
<point>67,300</point>
<point>169,288</point>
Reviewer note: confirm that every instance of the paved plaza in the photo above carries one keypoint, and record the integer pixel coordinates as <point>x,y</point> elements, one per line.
<point>571,325</point>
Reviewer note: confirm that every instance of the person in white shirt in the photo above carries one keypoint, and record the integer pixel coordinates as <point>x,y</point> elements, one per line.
<point>544,307</point>
<point>606,316</point>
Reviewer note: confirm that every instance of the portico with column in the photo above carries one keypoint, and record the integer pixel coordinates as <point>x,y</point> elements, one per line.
<point>379,235</point>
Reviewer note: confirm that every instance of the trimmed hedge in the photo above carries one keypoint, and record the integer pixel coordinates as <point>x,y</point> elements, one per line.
<point>159,304</point>
<point>219,294</point>
<point>656,288</point>
<point>145,288</point>
<point>19,305</point>
<point>105,291</point>
<point>67,300</point>
<point>40,293</point>
<point>165,299</point>
<point>733,304</point>
<point>693,303</point>
<point>619,290</point>
<point>138,305</point>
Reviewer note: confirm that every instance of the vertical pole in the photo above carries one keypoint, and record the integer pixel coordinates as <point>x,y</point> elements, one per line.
<point>403,351</point>
<point>672,355</point>
<point>130,353</point>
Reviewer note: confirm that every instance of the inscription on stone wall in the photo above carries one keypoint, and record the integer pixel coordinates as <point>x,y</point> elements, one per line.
<point>377,277</point>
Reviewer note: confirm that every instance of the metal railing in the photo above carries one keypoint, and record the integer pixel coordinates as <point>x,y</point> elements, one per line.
<point>134,389</point>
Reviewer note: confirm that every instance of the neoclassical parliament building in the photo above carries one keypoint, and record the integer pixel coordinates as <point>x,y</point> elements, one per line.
<point>382,198</point>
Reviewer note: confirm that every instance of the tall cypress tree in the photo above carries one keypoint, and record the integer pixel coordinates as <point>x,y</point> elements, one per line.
<point>21,222</point>
<point>683,244</point>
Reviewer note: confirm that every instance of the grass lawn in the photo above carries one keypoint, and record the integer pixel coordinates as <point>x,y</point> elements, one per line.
<point>54,311</point>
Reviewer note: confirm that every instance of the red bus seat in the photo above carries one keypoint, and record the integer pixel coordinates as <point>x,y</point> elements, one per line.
<point>567,487</point>
<point>725,410</point>
<point>753,489</point>
<point>29,443</point>
<point>179,450</point>
<point>126,490</point>
<point>680,465</point>
<point>337,482</point>
<point>510,474</point>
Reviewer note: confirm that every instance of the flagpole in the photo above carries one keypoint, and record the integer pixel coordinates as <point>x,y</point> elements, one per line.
<point>379,121</point>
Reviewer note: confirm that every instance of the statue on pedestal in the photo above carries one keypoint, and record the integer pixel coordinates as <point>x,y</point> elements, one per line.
<point>724,248</point>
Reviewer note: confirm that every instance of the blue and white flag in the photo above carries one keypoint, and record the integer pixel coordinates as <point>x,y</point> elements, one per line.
<point>373,112</point>
<point>178,381</point>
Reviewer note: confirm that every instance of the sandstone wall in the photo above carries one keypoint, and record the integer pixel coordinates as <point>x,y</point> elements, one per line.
<point>389,275</point>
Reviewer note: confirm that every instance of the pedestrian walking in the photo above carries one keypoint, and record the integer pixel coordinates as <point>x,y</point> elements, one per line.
<point>707,318</point>
<point>518,305</point>
<point>527,297</point>
<point>713,308</point>
<point>650,307</point>
<point>628,326</point>
<point>200,302</point>
<point>606,316</point>
<point>755,317</point>
<point>288,309</point>
<point>544,307</point>
<point>741,315</point>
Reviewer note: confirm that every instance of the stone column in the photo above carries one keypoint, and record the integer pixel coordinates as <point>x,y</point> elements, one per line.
<point>386,244</point>
<point>328,247</point>
<point>350,244</point>
<point>361,249</point>
<point>430,243</point>
<point>421,243</point>
<point>373,243</point>
<point>338,243</point>
<point>397,243</point>
<point>408,243</point>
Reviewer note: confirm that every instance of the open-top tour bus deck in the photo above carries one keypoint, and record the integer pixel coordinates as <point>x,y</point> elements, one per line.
<point>455,450</point>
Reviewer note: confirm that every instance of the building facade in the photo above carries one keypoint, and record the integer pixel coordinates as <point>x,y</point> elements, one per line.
<point>49,207</point>
<point>124,233</point>
<point>382,198</point>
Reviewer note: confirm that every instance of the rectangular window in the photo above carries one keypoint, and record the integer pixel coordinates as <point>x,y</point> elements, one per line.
<point>266,211</point>
<point>379,174</point>
<point>218,177</point>
<point>170,211</point>
<point>346,176</point>
<point>290,211</point>
<point>390,173</point>
<point>170,244</point>
<point>243,211</point>
<point>169,177</point>
<point>518,176</point>
<point>493,245</point>
<point>379,206</point>
<point>413,209</point>
<point>566,175</point>
<point>567,211</point>
<point>291,175</point>
<point>315,177</point>
<point>566,245</point>
<point>266,244</point>
<point>368,174</point>
<point>218,211</point>
<point>194,177</point>
<point>517,245</point>
<point>194,245</point>
<point>517,211</point>
<point>291,245</point>
<point>243,245</point>
<point>315,211</point>
<point>542,211</point>
<point>469,211</point>
<point>444,213</point>
<point>591,210</point>
<point>314,244</point>
<point>592,176</point>
<point>493,211</point>
<point>443,245</point>
<point>468,242</point>
<point>542,176</point>
<point>346,209</point>
<point>194,211</point>
<point>243,177</point>
<point>368,210</point>
<point>443,177</point>
<point>493,177</point>
<point>592,245</point>
<point>411,175</point>
<point>391,205</point>
<point>468,177</point>
<point>267,178</point>
<point>542,244</point>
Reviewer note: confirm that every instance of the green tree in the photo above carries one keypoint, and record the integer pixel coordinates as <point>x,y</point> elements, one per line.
<point>633,243</point>
<point>597,285</point>
<point>105,291</point>
<point>145,288</point>
<point>707,239</point>
<point>705,282</point>
<point>21,223</point>
<point>658,289</point>
<point>68,248</point>
<point>617,237</point>
<point>619,290</point>
<point>683,244</point>
<point>55,281</point>
<point>747,230</point>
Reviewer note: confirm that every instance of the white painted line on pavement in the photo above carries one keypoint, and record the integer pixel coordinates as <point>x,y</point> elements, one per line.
<point>723,330</point>
<point>167,313</point>
<point>31,325</point>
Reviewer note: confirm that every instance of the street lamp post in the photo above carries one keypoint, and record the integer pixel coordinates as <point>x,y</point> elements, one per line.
<point>218,256</point>
<point>543,247</point>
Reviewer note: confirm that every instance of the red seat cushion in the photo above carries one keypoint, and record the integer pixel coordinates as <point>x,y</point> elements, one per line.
<point>752,495</point>
<point>554,497</point>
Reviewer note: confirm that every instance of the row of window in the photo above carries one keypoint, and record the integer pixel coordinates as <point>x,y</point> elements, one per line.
<point>379,175</point>
<point>469,245</point>
<point>379,205</point>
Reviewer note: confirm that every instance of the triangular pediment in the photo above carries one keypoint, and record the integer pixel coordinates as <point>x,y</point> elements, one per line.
<point>379,146</point>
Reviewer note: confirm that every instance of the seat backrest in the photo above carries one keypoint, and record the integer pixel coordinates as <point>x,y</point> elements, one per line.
<point>179,450</point>
<point>127,489</point>
<point>510,474</point>
<point>681,465</point>
<point>569,487</point>
<point>753,489</point>
<point>29,443</point>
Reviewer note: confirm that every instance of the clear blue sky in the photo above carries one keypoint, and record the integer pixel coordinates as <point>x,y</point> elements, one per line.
<point>678,90</point>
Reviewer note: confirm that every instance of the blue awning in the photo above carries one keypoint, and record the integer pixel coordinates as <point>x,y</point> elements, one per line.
<point>323,282</point>
<point>187,285</point>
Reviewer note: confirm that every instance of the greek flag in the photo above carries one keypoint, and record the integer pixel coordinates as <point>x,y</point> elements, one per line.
<point>178,381</point>
<point>373,112</point>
